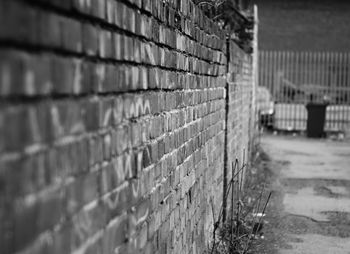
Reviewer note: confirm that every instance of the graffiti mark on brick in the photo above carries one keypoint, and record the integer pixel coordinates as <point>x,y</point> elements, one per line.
<point>82,225</point>
<point>58,128</point>
<point>118,197</point>
<point>122,168</point>
<point>33,125</point>
<point>137,107</point>
<point>29,79</point>
<point>150,55</point>
<point>101,75</point>
<point>77,78</point>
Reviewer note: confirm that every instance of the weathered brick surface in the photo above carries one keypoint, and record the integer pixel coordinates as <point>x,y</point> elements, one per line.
<point>241,126</point>
<point>112,125</point>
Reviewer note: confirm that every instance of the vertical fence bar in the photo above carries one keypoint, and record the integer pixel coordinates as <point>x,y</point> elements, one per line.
<point>309,68</point>
<point>332,84</point>
<point>303,73</point>
<point>324,75</point>
<point>338,92</point>
<point>282,90</point>
<point>292,77</point>
<point>296,71</point>
<point>335,89</point>
<point>312,68</point>
<point>270,70</point>
<point>265,62</point>
<point>346,91</point>
<point>284,95</point>
<point>276,83</point>
<point>347,78</point>
<point>270,82</point>
<point>343,92</point>
<point>338,82</point>
<point>314,76</point>
<point>275,69</point>
<point>341,84</point>
<point>318,69</point>
<point>280,62</point>
<point>290,89</point>
<point>266,72</point>
<point>306,69</point>
<point>301,77</point>
<point>262,67</point>
<point>326,78</point>
<point>261,70</point>
<point>324,68</point>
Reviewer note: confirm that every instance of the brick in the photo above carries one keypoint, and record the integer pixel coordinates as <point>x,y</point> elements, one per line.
<point>107,146</point>
<point>90,39</point>
<point>21,17</point>
<point>116,201</point>
<point>91,116</point>
<point>105,44</point>
<point>118,18</point>
<point>11,67</point>
<point>39,75</point>
<point>98,9</point>
<point>50,209</point>
<point>142,237</point>
<point>146,5</point>
<point>81,6</point>
<point>25,74</point>
<point>106,112</point>
<point>85,224</point>
<point>16,133</point>
<point>72,35</point>
<point>95,248</point>
<point>62,75</point>
<point>135,134</point>
<point>132,20</point>
<point>117,46</point>
<point>49,30</point>
<point>154,152</point>
<point>25,228</point>
<point>110,9</point>
<point>81,191</point>
<point>62,239</point>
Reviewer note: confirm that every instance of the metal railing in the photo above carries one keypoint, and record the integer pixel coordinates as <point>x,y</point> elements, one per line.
<point>297,78</point>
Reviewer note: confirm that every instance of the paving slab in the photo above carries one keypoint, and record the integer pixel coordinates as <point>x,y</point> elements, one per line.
<point>316,244</point>
<point>314,182</point>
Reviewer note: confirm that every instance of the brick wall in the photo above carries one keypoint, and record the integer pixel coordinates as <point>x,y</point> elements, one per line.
<point>112,125</point>
<point>241,128</point>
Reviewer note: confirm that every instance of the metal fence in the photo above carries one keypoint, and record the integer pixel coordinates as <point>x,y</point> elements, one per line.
<point>297,78</point>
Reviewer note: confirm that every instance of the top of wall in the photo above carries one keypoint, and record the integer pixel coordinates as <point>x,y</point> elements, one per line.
<point>304,25</point>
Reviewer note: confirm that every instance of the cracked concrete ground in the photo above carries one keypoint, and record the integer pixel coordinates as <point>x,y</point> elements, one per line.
<point>310,209</point>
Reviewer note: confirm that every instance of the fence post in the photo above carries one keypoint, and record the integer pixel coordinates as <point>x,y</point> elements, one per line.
<point>255,80</point>
<point>227,103</point>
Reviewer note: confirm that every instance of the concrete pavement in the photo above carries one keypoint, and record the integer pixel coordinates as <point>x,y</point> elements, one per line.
<point>314,186</point>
